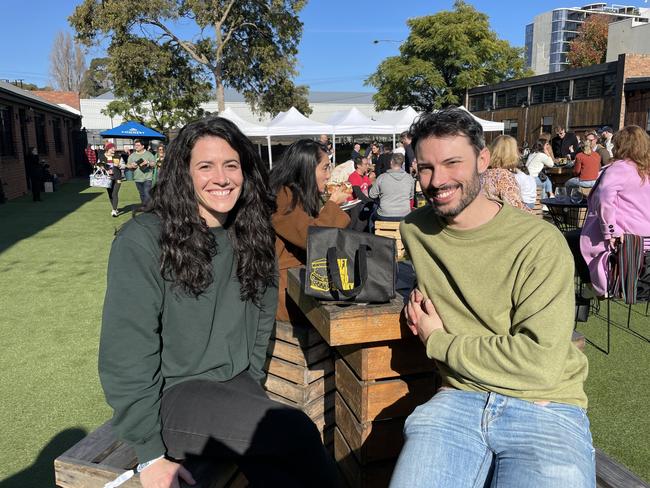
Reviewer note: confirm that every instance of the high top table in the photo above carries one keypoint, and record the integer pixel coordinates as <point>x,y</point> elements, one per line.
<point>381,374</point>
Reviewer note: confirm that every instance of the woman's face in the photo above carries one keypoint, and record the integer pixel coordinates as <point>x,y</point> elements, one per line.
<point>323,172</point>
<point>217,176</point>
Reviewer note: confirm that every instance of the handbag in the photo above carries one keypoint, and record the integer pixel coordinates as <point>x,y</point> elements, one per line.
<point>349,266</point>
<point>100,178</point>
<point>542,176</point>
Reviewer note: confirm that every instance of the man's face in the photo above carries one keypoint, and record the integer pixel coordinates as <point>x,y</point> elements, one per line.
<point>607,135</point>
<point>323,139</point>
<point>363,167</point>
<point>138,146</point>
<point>592,140</point>
<point>561,133</point>
<point>357,147</point>
<point>449,172</point>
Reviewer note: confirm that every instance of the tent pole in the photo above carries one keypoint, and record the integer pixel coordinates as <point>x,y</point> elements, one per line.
<point>268,141</point>
<point>334,148</point>
<point>259,150</point>
<point>393,141</point>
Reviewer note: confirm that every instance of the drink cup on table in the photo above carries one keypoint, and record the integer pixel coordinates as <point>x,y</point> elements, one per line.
<point>560,193</point>
<point>576,195</point>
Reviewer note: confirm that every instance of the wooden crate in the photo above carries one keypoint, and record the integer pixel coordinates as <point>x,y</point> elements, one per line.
<point>313,409</point>
<point>391,230</point>
<point>349,324</point>
<point>296,354</point>
<point>300,394</point>
<point>369,441</point>
<point>100,457</point>
<point>376,475</point>
<point>303,335</point>
<point>387,359</point>
<point>374,400</point>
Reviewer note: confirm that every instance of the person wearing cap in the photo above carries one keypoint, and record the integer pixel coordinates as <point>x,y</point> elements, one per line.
<point>114,166</point>
<point>606,134</point>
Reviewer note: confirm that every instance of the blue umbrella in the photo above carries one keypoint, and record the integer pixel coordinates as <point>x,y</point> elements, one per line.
<point>131,130</point>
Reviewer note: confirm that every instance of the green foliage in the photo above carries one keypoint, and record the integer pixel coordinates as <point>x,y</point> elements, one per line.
<point>249,46</point>
<point>590,45</point>
<point>161,89</point>
<point>444,55</point>
<point>96,79</point>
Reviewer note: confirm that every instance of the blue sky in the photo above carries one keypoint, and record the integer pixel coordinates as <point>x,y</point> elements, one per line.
<point>336,51</point>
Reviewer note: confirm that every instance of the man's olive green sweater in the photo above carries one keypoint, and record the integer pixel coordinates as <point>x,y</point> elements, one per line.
<point>505,294</point>
<point>154,336</point>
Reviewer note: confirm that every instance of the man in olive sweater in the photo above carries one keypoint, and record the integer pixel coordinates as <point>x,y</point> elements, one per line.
<point>494,307</point>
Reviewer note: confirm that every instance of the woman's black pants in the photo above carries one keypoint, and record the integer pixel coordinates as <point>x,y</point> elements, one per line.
<point>273,444</point>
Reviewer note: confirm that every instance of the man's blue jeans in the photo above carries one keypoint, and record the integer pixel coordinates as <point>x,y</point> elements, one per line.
<point>144,187</point>
<point>470,439</point>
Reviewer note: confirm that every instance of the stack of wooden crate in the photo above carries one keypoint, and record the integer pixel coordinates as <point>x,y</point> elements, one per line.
<point>301,373</point>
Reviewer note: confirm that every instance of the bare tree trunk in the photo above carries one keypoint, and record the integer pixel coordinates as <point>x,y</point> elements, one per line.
<point>218,83</point>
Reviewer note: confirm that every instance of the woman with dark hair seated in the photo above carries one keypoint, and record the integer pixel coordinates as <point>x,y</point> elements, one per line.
<point>298,181</point>
<point>189,308</point>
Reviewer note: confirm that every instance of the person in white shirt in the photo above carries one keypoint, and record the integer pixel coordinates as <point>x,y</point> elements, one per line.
<point>537,160</point>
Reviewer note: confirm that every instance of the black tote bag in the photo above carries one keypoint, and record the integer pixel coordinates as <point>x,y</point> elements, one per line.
<point>346,265</point>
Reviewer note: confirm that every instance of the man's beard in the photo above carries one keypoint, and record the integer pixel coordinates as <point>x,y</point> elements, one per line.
<point>469,191</point>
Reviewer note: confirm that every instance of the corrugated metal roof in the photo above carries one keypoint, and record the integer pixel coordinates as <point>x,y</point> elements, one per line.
<point>19,92</point>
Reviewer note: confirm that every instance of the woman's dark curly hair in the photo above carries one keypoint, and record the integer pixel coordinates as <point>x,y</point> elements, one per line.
<point>187,245</point>
<point>297,171</point>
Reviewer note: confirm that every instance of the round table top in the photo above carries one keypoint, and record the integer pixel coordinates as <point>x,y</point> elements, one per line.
<point>564,202</point>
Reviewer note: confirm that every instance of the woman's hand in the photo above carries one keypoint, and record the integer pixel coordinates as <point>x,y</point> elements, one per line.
<point>338,195</point>
<point>164,474</point>
<point>615,242</point>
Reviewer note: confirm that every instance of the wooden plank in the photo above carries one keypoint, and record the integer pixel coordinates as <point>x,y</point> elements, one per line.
<point>349,324</point>
<point>313,409</point>
<point>376,475</point>
<point>124,456</point>
<point>299,394</point>
<point>374,400</point>
<point>303,335</point>
<point>302,375</point>
<point>95,446</point>
<point>75,473</point>
<point>369,441</point>
<point>296,354</point>
<point>387,359</point>
<point>610,474</point>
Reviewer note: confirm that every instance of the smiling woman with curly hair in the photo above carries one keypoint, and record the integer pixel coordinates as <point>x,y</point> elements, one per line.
<point>189,309</point>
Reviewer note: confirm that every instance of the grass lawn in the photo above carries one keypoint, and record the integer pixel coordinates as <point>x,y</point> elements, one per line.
<point>52,281</point>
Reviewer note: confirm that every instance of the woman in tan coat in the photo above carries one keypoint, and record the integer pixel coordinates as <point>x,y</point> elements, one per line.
<point>297,182</point>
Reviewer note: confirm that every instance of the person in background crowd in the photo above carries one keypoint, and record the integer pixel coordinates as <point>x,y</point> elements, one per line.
<point>298,180</point>
<point>618,204</point>
<point>91,155</point>
<point>142,162</point>
<point>494,311</point>
<point>114,167</point>
<point>394,189</point>
<point>591,138</point>
<point>399,149</point>
<point>499,180</point>
<point>189,309</point>
<point>586,168</point>
<point>360,180</point>
<point>409,156</point>
<point>606,134</point>
<point>160,159</point>
<point>383,162</point>
<point>356,151</point>
<point>537,160</point>
<point>34,173</point>
<point>564,144</point>
<point>373,156</point>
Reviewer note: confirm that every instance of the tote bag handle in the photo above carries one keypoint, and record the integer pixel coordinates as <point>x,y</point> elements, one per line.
<point>335,273</point>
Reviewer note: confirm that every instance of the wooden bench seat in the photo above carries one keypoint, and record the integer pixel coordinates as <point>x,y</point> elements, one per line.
<point>100,457</point>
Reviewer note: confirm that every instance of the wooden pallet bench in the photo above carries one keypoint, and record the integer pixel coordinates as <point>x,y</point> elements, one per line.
<point>391,230</point>
<point>100,457</point>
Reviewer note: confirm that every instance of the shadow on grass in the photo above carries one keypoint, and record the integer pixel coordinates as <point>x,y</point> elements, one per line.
<point>41,473</point>
<point>22,218</point>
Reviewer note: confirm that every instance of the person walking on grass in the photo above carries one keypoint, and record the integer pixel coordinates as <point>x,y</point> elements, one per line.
<point>494,306</point>
<point>142,163</point>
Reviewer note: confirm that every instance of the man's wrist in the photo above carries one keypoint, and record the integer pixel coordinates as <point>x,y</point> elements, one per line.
<point>142,466</point>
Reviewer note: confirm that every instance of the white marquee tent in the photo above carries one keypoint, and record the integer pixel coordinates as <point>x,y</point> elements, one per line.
<point>248,128</point>
<point>401,120</point>
<point>488,125</point>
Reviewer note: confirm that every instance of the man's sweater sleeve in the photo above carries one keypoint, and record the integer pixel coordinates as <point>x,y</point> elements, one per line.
<point>129,349</point>
<point>268,308</point>
<point>533,355</point>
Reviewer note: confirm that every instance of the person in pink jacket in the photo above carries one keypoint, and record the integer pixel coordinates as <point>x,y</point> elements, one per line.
<point>618,204</point>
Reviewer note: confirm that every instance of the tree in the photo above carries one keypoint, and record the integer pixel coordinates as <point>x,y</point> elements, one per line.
<point>590,45</point>
<point>444,55</point>
<point>97,79</point>
<point>67,63</point>
<point>160,88</point>
<point>250,46</point>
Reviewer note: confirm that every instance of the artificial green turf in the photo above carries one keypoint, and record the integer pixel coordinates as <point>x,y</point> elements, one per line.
<point>52,280</point>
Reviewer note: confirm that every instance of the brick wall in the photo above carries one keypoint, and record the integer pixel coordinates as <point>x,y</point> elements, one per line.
<point>635,66</point>
<point>12,167</point>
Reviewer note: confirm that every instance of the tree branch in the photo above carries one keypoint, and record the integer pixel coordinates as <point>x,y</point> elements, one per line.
<point>187,46</point>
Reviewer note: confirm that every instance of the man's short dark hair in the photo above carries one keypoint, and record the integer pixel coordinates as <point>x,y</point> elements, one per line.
<point>358,161</point>
<point>405,134</point>
<point>450,121</point>
<point>139,141</point>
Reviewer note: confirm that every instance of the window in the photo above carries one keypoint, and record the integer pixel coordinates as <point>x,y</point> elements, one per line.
<point>56,129</point>
<point>594,87</point>
<point>547,124</point>
<point>41,140</point>
<point>510,127</point>
<point>550,93</point>
<point>480,102</point>
<point>512,98</point>
<point>6,131</point>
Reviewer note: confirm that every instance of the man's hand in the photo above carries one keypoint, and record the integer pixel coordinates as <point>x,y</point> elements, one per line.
<point>421,316</point>
<point>164,474</point>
